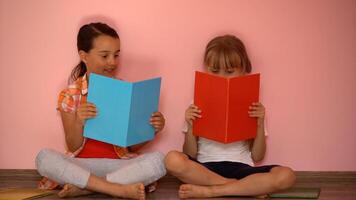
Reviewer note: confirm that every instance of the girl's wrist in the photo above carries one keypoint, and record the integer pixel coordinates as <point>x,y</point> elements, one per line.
<point>190,126</point>
<point>260,122</point>
<point>79,122</point>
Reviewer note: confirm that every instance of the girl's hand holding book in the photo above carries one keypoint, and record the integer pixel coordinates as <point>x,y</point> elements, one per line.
<point>191,114</point>
<point>257,110</point>
<point>86,111</point>
<point>157,121</point>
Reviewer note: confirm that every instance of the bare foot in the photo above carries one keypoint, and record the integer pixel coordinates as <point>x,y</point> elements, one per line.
<point>132,191</point>
<point>197,191</point>
<point>72,191</point>
<point>194,191</point>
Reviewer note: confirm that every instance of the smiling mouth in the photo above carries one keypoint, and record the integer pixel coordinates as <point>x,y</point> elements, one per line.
<point>109,70</point>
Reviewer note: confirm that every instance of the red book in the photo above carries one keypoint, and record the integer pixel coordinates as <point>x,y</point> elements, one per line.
<point>224,103</point>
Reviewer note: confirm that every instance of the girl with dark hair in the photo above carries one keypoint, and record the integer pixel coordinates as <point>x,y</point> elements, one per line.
<point>90,165</point>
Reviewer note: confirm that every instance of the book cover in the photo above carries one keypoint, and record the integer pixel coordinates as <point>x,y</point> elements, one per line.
<point>224,103</point>
<point>124,110</point>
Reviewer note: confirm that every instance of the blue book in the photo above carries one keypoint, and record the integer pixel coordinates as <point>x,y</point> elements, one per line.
<point>124,110</point>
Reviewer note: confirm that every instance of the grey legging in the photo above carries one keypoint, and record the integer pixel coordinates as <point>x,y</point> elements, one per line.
<point>63,169</point>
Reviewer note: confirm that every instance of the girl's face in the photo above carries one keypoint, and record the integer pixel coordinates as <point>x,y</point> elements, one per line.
<point>103,57</point>
<point>227,73</point>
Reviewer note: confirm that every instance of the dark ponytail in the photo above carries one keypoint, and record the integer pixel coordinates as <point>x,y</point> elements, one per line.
<point>78,71</point>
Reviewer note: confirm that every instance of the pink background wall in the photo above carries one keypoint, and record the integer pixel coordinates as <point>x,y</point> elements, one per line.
<point>304,49</point>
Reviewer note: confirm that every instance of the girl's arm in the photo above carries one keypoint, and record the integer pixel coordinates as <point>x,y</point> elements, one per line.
<point>73,124</point>
<point>258,148</point>
<point>190,146</point>
<point>73,130</point>
<point>157,121</point>
<point>258,145</point>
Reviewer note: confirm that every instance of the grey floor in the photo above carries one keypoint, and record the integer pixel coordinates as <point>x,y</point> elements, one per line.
<point>333,185</point>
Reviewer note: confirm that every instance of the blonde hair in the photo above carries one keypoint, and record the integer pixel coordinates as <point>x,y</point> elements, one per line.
<point>227,52</point>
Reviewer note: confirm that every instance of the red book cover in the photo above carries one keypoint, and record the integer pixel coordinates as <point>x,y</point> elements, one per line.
<point>224,103</point>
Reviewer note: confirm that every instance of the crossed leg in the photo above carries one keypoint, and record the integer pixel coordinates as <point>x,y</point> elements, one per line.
<point>201,182</point>
<point>63,169</point>
<point>97,184</point>
<point>179,165</point>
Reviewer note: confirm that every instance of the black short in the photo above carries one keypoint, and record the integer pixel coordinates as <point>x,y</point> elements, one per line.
<point>236,170</point>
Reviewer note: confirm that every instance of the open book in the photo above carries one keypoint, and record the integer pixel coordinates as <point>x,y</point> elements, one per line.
<point>224,103</point>
<point>124,110</point>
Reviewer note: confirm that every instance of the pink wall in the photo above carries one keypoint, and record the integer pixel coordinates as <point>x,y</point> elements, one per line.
<point>305,50</point>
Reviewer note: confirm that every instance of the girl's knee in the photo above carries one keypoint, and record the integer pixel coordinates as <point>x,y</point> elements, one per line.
<point>44,159</point>
<point>284,178</point>
<point>175,161</point>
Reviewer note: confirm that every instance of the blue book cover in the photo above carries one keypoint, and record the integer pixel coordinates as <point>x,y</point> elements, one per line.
<point>124,110</point>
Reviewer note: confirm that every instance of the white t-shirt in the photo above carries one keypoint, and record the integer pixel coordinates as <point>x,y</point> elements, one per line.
<point>211,151</point>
